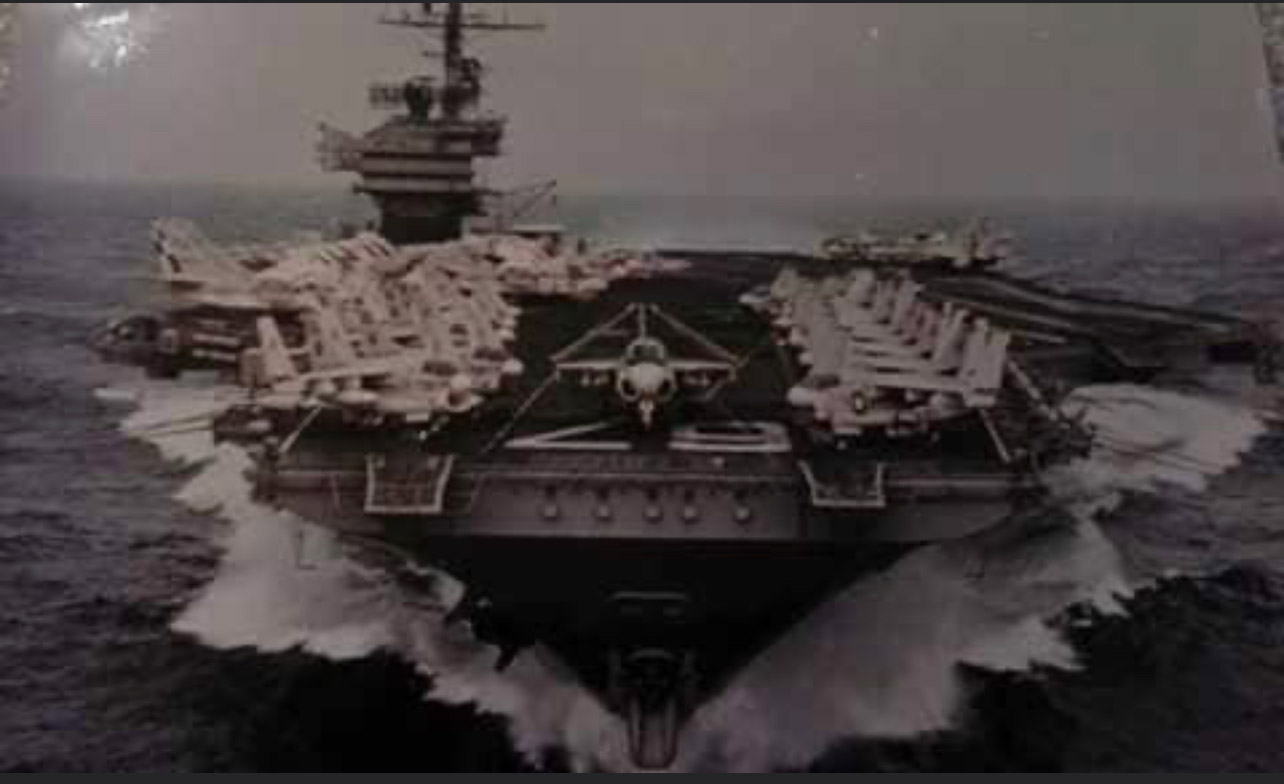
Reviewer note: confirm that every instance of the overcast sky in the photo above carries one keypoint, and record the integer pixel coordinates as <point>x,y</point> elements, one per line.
<point>1052,100</point>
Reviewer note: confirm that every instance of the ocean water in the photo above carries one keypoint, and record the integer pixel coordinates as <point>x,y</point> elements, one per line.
<point>153,619</point>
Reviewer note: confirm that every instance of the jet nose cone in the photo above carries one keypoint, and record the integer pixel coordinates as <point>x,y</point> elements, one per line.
<point>649,380</point>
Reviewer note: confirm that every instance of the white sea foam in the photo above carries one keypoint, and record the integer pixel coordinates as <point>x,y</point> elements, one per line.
<point>1149,441</point>
<point>175,418</point>
<point>881,661</point>
<point>281,586</point>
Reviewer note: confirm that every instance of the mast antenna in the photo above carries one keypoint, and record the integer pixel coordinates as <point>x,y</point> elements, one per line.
<point>462,85</point>
<point>420,167</point>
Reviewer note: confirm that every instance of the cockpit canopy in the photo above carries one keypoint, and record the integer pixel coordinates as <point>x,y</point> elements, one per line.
<point>646,352</point>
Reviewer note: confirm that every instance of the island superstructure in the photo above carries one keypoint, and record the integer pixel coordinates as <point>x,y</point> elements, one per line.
<point>420,167</point>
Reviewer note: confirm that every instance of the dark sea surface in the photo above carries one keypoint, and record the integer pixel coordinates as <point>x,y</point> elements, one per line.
<point>1147,639</point>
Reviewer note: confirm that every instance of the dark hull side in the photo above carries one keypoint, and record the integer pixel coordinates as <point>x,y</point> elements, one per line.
<point>650,614</point>
<point>714,605</point>
<point>560,582</point>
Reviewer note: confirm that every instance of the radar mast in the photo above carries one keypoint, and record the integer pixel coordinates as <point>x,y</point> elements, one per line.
<point>420,167</point>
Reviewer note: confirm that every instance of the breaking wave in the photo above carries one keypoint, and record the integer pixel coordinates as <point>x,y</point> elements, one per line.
<point>880,661</point>
<point>1149,440</point>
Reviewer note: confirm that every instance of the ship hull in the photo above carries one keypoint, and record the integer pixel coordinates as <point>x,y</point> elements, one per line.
<point>590,602</point>
<point>654,609</point>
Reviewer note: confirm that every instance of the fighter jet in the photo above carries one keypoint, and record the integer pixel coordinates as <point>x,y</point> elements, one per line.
<point>412,387</point>
<point>648,359</point>
<point>880,358</point>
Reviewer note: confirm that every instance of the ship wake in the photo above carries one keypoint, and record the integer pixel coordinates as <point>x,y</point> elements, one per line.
<point>881,661</point>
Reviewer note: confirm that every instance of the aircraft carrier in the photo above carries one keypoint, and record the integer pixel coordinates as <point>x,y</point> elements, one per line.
<point>651,464</point>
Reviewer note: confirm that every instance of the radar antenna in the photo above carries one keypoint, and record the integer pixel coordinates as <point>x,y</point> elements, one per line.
<point>420,167</point>
<point>463,73</point>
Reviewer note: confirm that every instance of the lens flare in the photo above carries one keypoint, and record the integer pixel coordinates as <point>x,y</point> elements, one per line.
<point>107,36</point>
